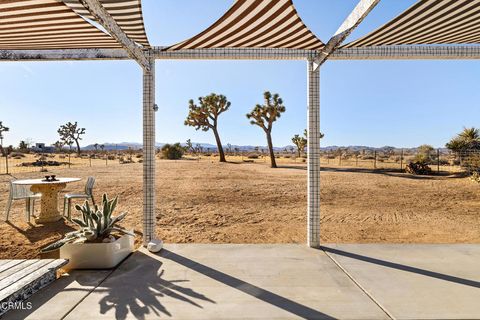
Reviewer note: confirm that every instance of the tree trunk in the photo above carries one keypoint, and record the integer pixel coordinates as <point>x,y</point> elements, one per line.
<point>270,148</point>
<point>78,147</point>
<point>219,145</point>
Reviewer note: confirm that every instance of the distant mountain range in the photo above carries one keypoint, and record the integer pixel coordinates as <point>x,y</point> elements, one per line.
<point>210,147</point>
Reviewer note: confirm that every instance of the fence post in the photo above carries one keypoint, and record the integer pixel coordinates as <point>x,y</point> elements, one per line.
<point>438,160</point>
<point>106,160</point>
<point>356,160</point>
<point>69,160</point>
<point>401,160</point>
<point>90,158</point>
<point>340,160</point>
<point>6,162</point>
<point>375,160</point>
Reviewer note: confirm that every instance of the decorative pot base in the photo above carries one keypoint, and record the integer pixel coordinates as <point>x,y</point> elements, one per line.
<point>97,255</point>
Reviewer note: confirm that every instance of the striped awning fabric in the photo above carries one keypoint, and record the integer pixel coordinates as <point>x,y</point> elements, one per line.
<point>127,14</point>
<point>256,24</point>
<point>429,22</point>
<point>47,24</point>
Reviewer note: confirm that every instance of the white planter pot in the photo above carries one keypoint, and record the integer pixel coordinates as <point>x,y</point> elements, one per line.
<point>97,255</point>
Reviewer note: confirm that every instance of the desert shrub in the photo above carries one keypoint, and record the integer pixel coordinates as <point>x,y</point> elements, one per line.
<point>139,156</point>
<point>444,162</point>
<point>475,177</point>
<point>253,156</point>
<point>111,157</point>
<point>287,156</point>
<point>62,156</point>
<point>123,160</point>
<point>172,151</point>
<point>368,158</point>
<point>422,158</point>
<point>17,155</point>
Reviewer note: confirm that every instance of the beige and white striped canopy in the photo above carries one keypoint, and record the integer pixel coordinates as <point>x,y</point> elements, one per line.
<point>55,24</point>
<point>256,24</point>
<point>47,24</point>
<point>429,22</point>
<point>127,14</point>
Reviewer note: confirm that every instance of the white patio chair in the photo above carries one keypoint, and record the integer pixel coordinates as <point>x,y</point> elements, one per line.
<point>22,192</point>
<point>88,195</point>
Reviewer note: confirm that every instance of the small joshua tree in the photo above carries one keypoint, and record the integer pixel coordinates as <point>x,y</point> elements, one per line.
<point>300,142</point>
<point>2,130</point>
<point>71,132</point>
<point>265,115</point>
<point>58,145</point>
<point>189,146</point>
<point>205,116</point>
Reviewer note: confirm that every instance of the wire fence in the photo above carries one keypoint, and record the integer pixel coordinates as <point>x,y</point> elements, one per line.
<point>17,162</point>
<point>438,160</point>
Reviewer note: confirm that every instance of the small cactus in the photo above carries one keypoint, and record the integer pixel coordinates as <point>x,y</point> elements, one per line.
<point>96,224</point>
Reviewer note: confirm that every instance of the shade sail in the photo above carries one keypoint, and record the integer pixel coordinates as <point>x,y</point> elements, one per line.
<point>127,14</point>
<point>256,24</point>
<point>47,24</point>
<point>429,22</point>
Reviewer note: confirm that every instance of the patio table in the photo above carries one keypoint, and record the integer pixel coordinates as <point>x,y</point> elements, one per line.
<point>49,201</point>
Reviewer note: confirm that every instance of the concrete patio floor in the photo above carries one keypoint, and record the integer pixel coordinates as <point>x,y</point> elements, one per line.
<point>202,281</point>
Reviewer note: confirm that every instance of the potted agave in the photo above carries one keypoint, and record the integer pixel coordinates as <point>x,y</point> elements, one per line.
<point>100,243</point>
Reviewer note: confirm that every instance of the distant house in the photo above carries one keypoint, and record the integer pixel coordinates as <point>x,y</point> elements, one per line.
<point>42,148</point>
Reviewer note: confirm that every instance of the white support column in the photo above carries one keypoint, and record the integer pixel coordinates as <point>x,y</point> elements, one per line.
<point>149,216</point>
<point>313,202</point>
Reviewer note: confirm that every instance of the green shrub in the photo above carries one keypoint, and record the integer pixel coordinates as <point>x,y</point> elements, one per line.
<point>172,151</point>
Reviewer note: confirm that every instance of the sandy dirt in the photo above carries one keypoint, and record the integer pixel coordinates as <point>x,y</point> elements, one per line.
<point>209,202</point>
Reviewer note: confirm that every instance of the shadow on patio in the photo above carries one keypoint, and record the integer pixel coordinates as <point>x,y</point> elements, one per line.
<point>269,297</point>
<point>403,267</point>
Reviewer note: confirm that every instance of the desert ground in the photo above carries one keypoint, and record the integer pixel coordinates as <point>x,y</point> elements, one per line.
<point>210,202</point>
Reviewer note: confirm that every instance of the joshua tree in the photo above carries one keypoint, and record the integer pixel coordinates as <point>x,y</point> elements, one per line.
<point>96,146</point>
<point>189,146</point>
<point>2,130</point>
<point>229,148</point>
<point>305,134</point>
<point>23,146</point>
<point>71,131</point>
<point>300,142</point>
<point>198,148</point>
<point>102,147</point>
<point>205,116</point>
<point>265,115</point>
<point>58,145</point>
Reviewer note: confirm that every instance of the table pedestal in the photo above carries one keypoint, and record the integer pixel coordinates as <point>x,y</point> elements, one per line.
<point>49,201</point>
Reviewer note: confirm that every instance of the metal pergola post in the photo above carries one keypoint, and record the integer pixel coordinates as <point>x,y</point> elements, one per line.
<point>149,218</point>
<point>313,147</point>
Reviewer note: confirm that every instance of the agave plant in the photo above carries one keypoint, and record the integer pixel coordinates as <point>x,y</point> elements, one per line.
<point>96,224</point>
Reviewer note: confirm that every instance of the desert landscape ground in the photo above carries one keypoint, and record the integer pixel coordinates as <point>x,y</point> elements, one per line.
<point>210,202</point>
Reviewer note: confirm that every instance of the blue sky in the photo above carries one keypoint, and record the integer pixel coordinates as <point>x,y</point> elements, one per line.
<point>376,103</point>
